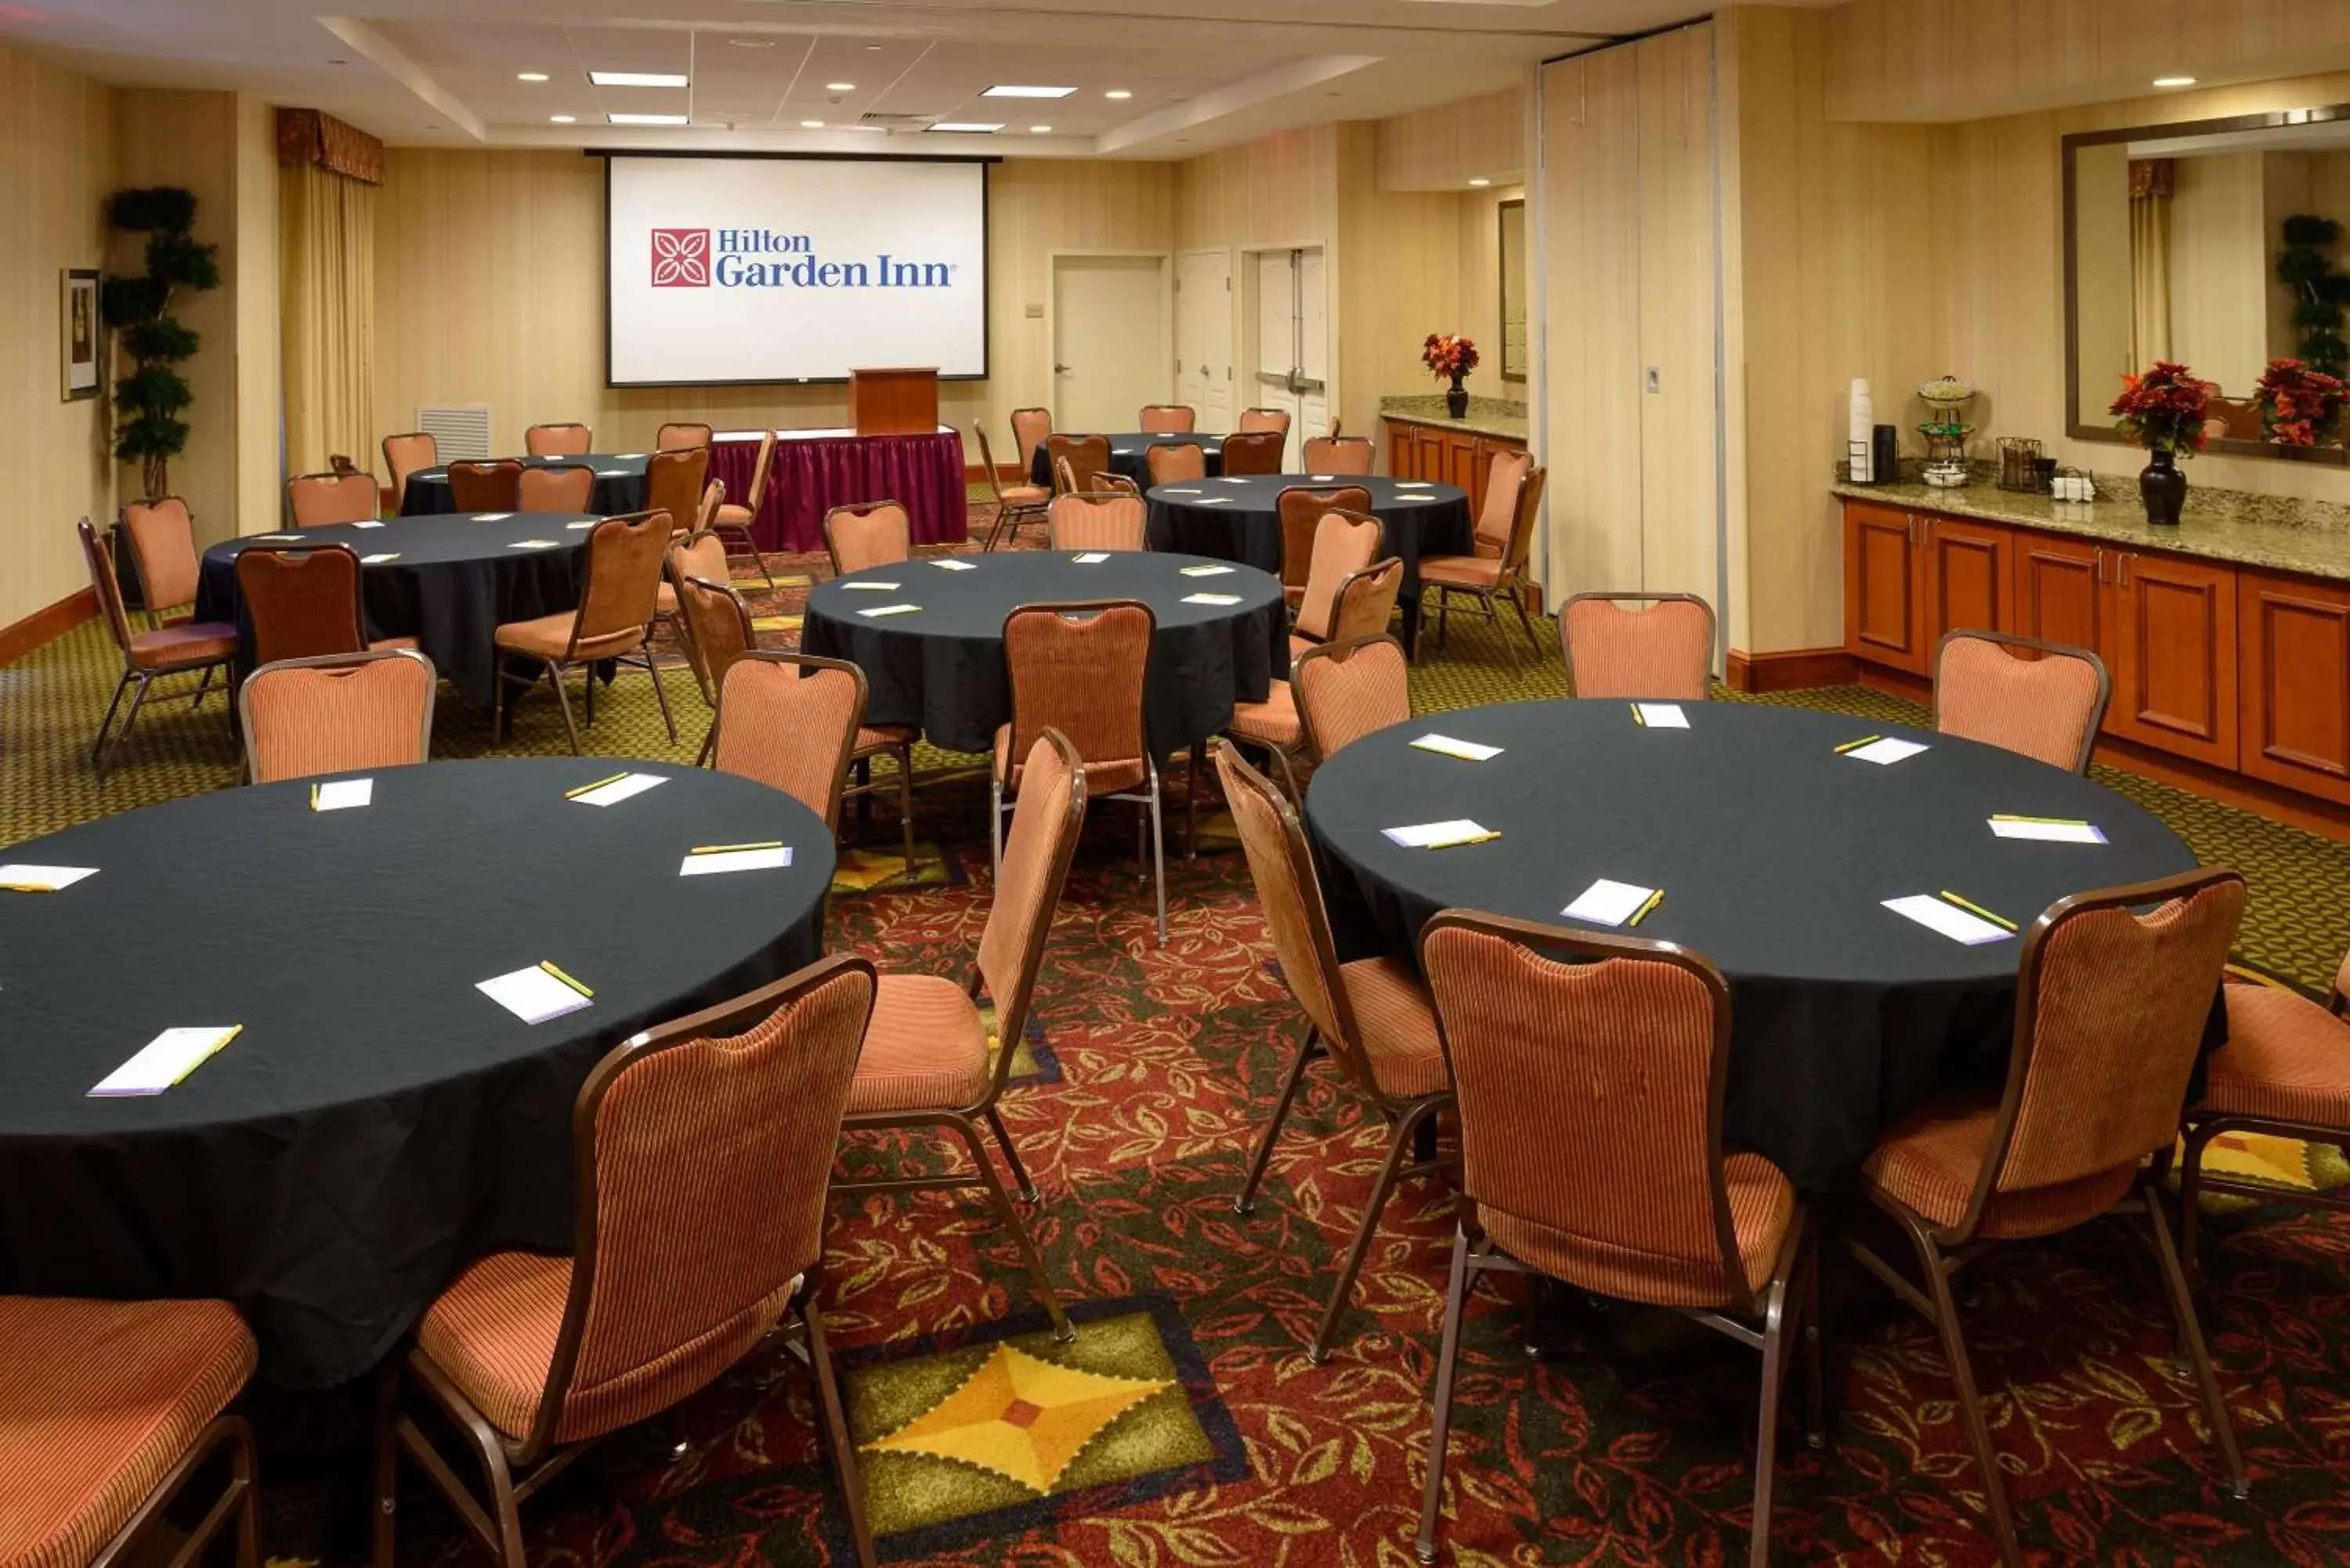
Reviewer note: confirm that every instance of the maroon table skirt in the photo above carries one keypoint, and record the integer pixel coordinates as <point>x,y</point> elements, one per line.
<point>815,474</point>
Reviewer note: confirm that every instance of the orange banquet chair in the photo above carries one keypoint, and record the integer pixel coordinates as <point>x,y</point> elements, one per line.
<point>1369,1017</point>
<point>676,482</point>
<point>486,486</point>
<point>1167,418</point>
<point>183,649</point>
<point>1277,725</point>
<point>402,456</point>
<point>624,557</point>
<point>1030,428</point>
<point>1255,420</point>
<point>680,436</point>
<point>163,552</point>
<point>1663,651</point>
<point>1312,543</point>
<point>1015,503</point>
<point>1506,531</point>
<point>1075,459</point>
<point>304,603</point>
<point>1116,484</point>
<point>732,523</point>
<point>2284,1070</point>
<point>1175,462</point>
<point>1078,669</point>
<point>1301,509</point>
<point>1103,520</point>
<point>701,554</point>
<point>715,622</point>
<point>2110,1009</point>
<point>557,487</point>
<point>2042,700</point>
<point>1335,454</point>
<point>785,707</point>
<point>558,441</point>
<point>1254,451</point>
<point>871,533</point>
<point>107,1411</point>
<point>1347,688</point>
<point>1590,1072</point>
<point>336,714</point>
<point>702,1151</point>
<point>320,500</point>
<point>927,1063</point>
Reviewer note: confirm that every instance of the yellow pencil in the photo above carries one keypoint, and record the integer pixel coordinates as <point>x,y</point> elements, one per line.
<point>591,788</point>
<point>314,797</point>
<point>2047,821</point>
<point>1641,913</point>
<point>1856,745</point>
<point>548,965</point>
<point>1638,716</point>
<point>2000,920</point>
<point>24,887</point>
<point>1456,843</point>
<point>234,1031</point>
<point>730,848</point>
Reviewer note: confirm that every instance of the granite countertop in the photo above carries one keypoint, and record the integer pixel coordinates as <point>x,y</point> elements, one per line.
<point>2280,533</point>
<point>1487,416</point>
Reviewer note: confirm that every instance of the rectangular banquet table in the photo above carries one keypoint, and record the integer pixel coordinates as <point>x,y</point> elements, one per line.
<point>818,470</point>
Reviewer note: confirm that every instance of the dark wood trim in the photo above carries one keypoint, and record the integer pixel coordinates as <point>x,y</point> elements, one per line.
<point>1792,670</point>
<point>44,626</point>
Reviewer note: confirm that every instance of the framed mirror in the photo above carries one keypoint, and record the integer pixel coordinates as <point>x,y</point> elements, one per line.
<point>2218,243</point>
<point>1513,290</point>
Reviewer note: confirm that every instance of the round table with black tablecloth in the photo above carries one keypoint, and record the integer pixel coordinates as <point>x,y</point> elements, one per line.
<point>456,578</point>
<point>380,1122</point>
<point>619,484</point>
<point>1129,456</point>
<point>943,668</point>
<point>1774,854</point>
<point>1239,520</point>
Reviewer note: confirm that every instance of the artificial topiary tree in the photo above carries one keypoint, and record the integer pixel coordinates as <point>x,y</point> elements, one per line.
<point>148,402</point>
<point>2319,291</point>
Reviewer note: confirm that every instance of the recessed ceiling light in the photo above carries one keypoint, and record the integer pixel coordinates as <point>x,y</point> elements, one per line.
<point>1001,91</point>
<point>841,87</point>
<point>751,43</point>
<point>638,78</point>
<point>969,127</point>
<point>1040,130</point>
<point>1118,92</point>
<point>338,62</point>
<point>2174,81</point>
<point>811,125</point>
<point>1479,184</point>
<point>645,120</point>
<point>530,76</point>
<point>562,119</point>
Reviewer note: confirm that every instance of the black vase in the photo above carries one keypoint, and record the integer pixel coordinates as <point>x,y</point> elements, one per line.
<point>1456,400</point>
<point>2163,487</point>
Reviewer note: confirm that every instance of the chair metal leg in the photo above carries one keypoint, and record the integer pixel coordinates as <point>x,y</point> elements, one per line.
<point>995,826</point>
<point>387,1460</point>
<point>555,679</point>
<point>1493,614</point>
<point>835,1429</point>
<point>1192,802</point>
<point>1962,1374</point>
<point>130,720</point>
<point>1518,603</point>
<point>1443,616</point>
<point>1158,852</point>
<point>201,687</point>
<point>2191,1194</point>
<point>1455,1303</point>
<point>98,747</point>
<point>1307,1049</point>
<point>1019,1177</point>
<point>660,694</point>
<point>1766,1436</point>
<point>1815,1329</point>
<point>905,755</point>
<point>1398,1148</point>
<point>589,684</point>
<point>708,755</point>
<point>1062,1328</point>
<point>2190,1338</point>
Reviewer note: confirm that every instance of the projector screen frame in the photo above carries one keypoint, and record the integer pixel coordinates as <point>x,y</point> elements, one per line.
<point>986,240</point>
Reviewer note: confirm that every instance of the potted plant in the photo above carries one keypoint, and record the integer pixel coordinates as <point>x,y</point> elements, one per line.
<point>149,401</point>
<point>2163,411</point>
<point>1454,357</point>
<point>2300,406</point>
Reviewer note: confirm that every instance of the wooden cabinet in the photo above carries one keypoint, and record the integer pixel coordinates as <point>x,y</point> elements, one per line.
<point>2171,646</point>
<point>2293,669</point>
<point>1968,581</point>
<point>1445,455</point>
<point>1884,587</point>
<point>2060,589</point>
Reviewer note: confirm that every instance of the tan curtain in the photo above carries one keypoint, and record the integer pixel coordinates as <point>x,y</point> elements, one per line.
<point>326,226</point>
<point>2151,187</point>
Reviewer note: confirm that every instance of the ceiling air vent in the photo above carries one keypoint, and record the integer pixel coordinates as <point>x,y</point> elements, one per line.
<point>458,430</point>
<point>871,121</point>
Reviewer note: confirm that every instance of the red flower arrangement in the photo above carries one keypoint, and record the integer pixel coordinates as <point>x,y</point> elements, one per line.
<point>2299,406</point>
<point>1449,358</point>
<point>2163,411</point>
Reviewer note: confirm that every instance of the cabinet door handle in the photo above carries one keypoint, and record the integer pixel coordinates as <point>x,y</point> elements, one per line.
<point>2124,561</point>
<point>2100,565</point>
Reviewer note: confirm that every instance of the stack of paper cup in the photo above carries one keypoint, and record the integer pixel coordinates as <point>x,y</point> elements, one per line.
<point>1862,434</point>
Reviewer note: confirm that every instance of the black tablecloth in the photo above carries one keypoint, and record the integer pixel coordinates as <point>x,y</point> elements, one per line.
<point>380,1122</point>
<point>1129,456</point>
<point>1240,519</point>
<point>1774,855</point>
<point>619,484</point>
<point>943,669</point>
<point>457,580</point>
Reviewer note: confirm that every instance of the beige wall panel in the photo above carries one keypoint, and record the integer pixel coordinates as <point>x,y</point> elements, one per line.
<point>1680,505</point>
<point>1444,147</point>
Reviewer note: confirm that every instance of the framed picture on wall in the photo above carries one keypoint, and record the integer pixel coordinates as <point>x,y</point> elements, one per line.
<point>78,333</point>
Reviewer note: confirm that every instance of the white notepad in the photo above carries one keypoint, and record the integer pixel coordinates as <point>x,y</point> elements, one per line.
<point>1206,571</point>
<point>2047,830</point>
<point>1606,903</point>
<point>1091,558</point>
<point>492,517</point>
<point>1414,483</point>
<point>367,522</point>
<point>877,611</point>
<point>583,522</point>
<point>1238,479</point>
<point>626,788</point>
<point>276,538</point>
<point>951,565</point>
<point>1887,751</point>
<point>710,863</point>
<point>1170,490</point>
<point>165,1061</point>
<point>868,587</point>
<point>1948,918</point>
<point>1662,715</point>
<point>1467,751</point>
<point>1321,478</point>
<point>534,543</point>
<point>1411,501</point>
<point>342,794</point>
<point>1215,501</point>
<point>380,558</point>
<point>1212,598</point>
<point>19,878</point>
<point>611,473</point>
<point>1439,835</point>
<point>535,995</point>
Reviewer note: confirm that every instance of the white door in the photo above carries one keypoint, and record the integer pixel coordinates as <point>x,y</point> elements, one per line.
<point>1203,336</point>
<point>1111,348</point>
<point>1293,339</point>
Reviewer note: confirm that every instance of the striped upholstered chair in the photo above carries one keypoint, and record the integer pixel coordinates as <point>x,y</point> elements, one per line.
<point>321,500</point>
<point>1322,544</point>
<point>1075,459</point>
<point>1301,510</point>
<point>680,436</point>
<point>1499,569</point>
<point>1590,1105</point>
<point>1660,651</point>
<point>701,554</point>
<point>872,534</point>
<point>927,1063</point>
<point>1175,462</point>
<point>1254,420</point>
<point>1370,1016</point>
<point>1167,418</point>
<point>616,608</point>
<point>184,649</point>
<point>163,549</point>
<point>717,632</point>
<point>1249,451</point>
<point>558,441</point>
<point>336,713</point>
<point>1334,453</point>
<point>1346,688</point>
<point>701,1156</point>
<point>1099,520</point>
<point>676,481</point>
<point>304,603</point>
<point>2042,700</point>
<point>733,522</point>
<point>107,1409</point>
<point>1015,503</point>
<point>2110,1009</point>
<point>1031,428</point>
<point>795,720</point>
<point>491,486</point>
<point>557,487</point>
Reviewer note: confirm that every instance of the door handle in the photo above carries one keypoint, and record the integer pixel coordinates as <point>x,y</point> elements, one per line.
<point>1060,370</point>
<point>2124,561</point>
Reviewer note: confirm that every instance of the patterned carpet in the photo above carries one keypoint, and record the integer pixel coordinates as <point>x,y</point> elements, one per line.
<point>1185,1425</point>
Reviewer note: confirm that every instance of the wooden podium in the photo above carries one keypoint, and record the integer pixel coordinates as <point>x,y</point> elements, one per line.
<point>894,402</point>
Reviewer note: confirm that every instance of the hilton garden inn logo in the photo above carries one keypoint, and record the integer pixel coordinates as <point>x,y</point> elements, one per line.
<point>764,259</point>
